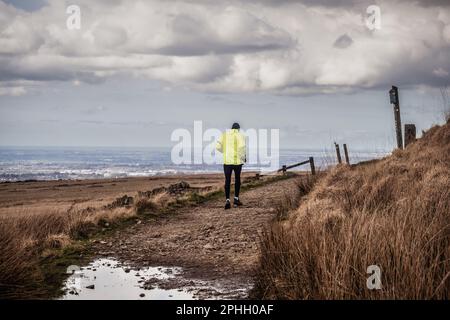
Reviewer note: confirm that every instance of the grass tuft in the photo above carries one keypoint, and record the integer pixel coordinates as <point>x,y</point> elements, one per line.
<point>393,213</point>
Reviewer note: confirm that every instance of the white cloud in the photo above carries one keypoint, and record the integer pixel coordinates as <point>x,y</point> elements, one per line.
<point>288,48</point>
<point>12,91</point>
<point>440,72</point>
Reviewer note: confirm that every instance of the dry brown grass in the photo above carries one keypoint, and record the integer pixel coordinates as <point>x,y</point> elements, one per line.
<point>394,213</point>
<point>291,198</point>
<point>26,237</point>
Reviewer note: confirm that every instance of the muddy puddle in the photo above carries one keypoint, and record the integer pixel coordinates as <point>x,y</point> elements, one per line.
<point>108,279</point>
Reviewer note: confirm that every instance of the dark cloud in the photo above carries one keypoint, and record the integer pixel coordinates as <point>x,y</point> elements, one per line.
<point>195,37</point>
<point>27,5</point>
<point>432,3</point>
<point>348,3</point>
<point>343,42</point>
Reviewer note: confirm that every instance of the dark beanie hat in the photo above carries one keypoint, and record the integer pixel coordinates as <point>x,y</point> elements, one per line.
<point>236,126</point>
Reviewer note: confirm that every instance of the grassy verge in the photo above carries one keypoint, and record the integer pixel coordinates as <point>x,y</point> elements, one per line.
<point>393,214</point>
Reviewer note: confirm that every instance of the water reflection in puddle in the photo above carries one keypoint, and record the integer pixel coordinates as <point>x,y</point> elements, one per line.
<point>107,279</point>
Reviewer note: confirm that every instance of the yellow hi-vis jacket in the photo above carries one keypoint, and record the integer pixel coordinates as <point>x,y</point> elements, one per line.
<point>232,144</point>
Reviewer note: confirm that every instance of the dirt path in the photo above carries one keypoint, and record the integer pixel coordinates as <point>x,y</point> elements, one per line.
<point>209,243</point>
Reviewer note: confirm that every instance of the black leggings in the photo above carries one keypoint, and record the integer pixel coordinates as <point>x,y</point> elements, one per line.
<point>228,170</point>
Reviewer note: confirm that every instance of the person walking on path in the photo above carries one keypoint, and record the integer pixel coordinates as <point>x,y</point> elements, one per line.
<point>232,145</point>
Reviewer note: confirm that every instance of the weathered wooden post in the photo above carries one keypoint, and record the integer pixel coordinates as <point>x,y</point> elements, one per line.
<point>313,167</point>
<point>346,154</point>
<point>395,101</point>
<point>410,133</point>
<point>338,153</point>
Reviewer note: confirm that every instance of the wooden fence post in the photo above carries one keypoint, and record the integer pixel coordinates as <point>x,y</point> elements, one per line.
<point>410,134</point>
<point>346,154</point>
<point>338,153</point>
<point>395,101</point>
<point>313,167</point>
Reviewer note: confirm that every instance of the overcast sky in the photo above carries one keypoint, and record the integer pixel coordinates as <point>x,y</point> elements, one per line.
<point>137,70</point>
